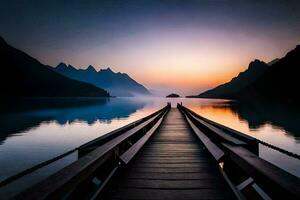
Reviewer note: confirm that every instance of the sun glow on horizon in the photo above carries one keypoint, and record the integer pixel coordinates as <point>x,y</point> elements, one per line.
<point>188,60</point>
<point>185,46</point>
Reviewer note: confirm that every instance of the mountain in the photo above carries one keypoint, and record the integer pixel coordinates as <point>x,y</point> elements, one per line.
<point>24,76</point>
<point>230,89</point>
<point>279,82</point>
<point>118,84</point>
<point>273,61</point>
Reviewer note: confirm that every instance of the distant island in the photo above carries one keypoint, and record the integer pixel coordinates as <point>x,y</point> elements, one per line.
<point>24,76</point>
<point>276,80</point>
<point>117,84</point>
<point>173,95</point>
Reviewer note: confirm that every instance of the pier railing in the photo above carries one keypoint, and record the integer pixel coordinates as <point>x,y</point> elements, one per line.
<point>237,155</point>
<point>98,161</point>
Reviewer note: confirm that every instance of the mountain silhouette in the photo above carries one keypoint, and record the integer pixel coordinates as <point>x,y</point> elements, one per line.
<point>22,75</point>
<point>277,80</point>
<point>118,84</point>
<point>229,90</point>
<point>273,61</point>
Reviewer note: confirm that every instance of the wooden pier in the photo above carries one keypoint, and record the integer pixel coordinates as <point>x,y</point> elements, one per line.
<point>171,154</point>
<point>172,165</point>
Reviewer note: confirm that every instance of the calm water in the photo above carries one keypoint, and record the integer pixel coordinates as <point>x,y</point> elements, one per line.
<point>31,132</point>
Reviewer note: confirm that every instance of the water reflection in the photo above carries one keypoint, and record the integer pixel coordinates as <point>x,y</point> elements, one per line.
<point>24,114</point>
<point>35,130</point>
<point>258,114</point>
<point>32,131</point>
<point>273,123</point>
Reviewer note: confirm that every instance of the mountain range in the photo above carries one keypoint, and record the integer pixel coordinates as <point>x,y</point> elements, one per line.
<point>230,89</point>
<point>118,84</point>
<point>277,80</point>
<point>24,76</point>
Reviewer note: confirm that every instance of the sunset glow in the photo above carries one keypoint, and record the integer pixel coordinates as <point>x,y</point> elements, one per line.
<point>166,45</point>
<point>149,99</point>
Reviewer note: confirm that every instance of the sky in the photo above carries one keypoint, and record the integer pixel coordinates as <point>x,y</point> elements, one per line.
<point>183,46</point>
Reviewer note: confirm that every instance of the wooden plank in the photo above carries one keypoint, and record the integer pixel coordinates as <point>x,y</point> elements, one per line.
<point>220,133</point>
<point>172,176</point>
<point>175,156</point>
<point>96,194</point>
<point>183,146</point>
<point>75,173</point>
<point>154,194</point>
<point>58,183</point>
<point>271,178</point>
<point>191,153</point>
<point>238,134</point>
<point>116,132</point>
<point>171,184</point>
<point>176,153</point>
<point>166,151</point>
<point>175,170</point>
<point>172,162</point>
<point>169,150</point>
<point>251,143</point>
<point>132,151</point>
<point>172,165</point>
<point>215,151</point>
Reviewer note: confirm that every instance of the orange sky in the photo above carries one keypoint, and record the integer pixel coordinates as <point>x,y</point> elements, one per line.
<point>169,46</point>
<point>186,61</point>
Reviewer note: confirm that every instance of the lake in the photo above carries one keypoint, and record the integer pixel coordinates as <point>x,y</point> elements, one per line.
<point>33,131</point>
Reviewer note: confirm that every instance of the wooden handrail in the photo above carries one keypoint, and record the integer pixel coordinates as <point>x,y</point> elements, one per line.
<point>213,149</point>
<point>68,178</point>
<point>275,181</point>
<point>116,132</point>
<point>239,135</point>
<point>219,133</point>
<point>216,133</point>
<point>89,145</point>
<point>132,151</point>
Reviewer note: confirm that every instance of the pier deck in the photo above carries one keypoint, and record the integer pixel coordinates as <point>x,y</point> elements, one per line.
<point>172,165</point>
<point>174,153</point>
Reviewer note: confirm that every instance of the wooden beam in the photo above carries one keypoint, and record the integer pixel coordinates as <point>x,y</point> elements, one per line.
<point>213,149</point>
<point>235,133</point>
<point>104,138</point>
<point>275,181</point>
<point>72,175</point>
<point>210,128</point>
<point>132,151</point>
